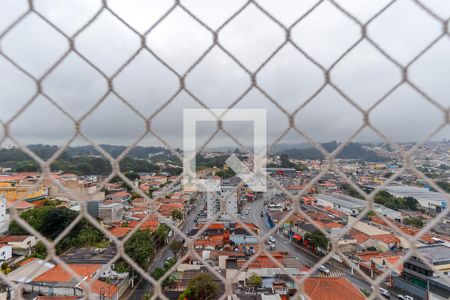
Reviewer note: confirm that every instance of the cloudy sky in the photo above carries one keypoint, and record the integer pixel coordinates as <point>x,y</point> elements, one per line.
<point>290,78</point>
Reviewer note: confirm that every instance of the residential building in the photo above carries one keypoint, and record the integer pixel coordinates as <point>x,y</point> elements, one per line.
<point>418,273</point>
<point>5,253</point>
<point>21,244</point>
<point>332,288</point>
<point>111,212</point>
<point>213,199</point>
<point>4,215</point>
<point>119,197</point>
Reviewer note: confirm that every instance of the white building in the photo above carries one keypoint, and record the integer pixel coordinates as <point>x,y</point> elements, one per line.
<point>352,206</point>
<point>213,202</point>
<point>5,253</point>
<point>4,215</point>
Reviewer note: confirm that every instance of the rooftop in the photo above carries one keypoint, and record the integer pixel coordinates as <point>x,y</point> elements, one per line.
<point>435,253</point>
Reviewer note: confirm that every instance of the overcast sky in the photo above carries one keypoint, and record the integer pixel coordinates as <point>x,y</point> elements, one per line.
<point>290,78</point>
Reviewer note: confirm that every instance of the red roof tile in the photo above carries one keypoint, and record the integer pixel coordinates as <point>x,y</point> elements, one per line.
<point>318,288</point>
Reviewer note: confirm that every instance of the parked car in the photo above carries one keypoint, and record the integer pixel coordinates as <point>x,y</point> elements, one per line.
<point>261,214</point>
<point>384,292</point>
<point>272,246</point>
<point>405,297</point>
<point>324,269</point>
<point>271,239</point>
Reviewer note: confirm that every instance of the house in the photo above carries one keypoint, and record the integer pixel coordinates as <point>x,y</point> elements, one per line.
<point>29,269</point>
<point>21,244</point>
<point>386,242</point>
<point>5,253</point>
<point>21,206</point>
<point>111,212</point>
<point>417,273</point>
<point>4,215</point>
<point>319,288</point>
<point>56,281</point>
<point>119,197</point>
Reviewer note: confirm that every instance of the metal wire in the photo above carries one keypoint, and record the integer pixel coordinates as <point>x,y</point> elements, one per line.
<point>71,40</point>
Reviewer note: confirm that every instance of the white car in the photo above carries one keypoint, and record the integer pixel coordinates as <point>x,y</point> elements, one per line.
<point>324,269</point>
<point>271,239</point>
<point>384,292</point>
<point>405,297</point>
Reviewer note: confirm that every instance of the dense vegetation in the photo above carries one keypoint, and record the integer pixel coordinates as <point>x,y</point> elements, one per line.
<point>351,151</point>
<point>83,160</point>
<point>416,222</point>
<point>396,203</point>
<point>50,221</point>
<point>318,239</point>
<point>201,286</point>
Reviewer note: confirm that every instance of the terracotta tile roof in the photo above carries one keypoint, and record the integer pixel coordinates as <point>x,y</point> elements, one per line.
<point>252,226</point>
<point>329,224</point>
<point>333,211</point>
<point>59,274</point>
<point>387,238</point>
<point>120,231</point>
<point>360,237</point>
<point>318,288</point>
<point>28,260</point>
<point>148,224</point>
<point>120,194</point>
<point>213,226</point>
<point>13,238</point>
<point>102,288</point>
<point>20,204</point>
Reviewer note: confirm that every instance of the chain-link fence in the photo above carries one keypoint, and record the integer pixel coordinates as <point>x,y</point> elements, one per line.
<point>330,165</point>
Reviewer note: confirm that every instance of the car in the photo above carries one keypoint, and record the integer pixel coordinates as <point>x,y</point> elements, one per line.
<point>261,214</point>
<point>271,239</point>
<point>272,246</point>
<point>384,292</point>
<point>324,269</point>
<point>405,297</point>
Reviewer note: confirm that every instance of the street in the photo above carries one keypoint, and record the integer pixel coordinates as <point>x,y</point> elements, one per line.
<point>304,255</point>
<point>143,286</point>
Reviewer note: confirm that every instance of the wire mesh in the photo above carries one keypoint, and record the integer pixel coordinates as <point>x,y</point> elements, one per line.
<point>215,42</point>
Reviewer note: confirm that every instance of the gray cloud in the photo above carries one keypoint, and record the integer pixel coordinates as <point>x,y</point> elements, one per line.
<point>364,75</point>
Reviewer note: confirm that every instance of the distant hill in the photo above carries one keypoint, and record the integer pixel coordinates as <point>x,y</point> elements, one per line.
<point>351,151</point>
<point>46,151</point>
<point>86,159</point>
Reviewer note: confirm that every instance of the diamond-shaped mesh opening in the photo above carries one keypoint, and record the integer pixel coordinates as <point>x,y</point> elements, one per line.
<point>75,71</point>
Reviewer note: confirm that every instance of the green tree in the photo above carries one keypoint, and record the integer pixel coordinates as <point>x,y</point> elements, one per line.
<point>349,190</point>
<point>412,203</point>
<point>140,247</point>
<point>225,173</point>
<point>318,239</point>
<point>48,220</point>
<point>40,251</point>
<point>416,222</point>
<point>177,215</point>
<point>176,247</point>
<point>285,161</point>
<point>158,273</point>
<point>161,234</point>
<point>254,280</point>
<point>200,287</point>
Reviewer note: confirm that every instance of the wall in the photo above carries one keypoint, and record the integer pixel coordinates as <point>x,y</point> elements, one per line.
<point>409,288</point>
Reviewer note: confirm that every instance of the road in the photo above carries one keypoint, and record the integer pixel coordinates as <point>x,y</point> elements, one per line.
<point>143,286</point>
<point>302,254</point>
